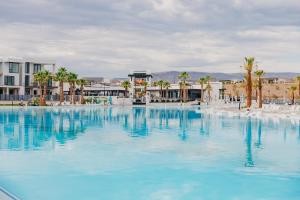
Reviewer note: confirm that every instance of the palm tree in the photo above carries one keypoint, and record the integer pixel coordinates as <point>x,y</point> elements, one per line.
<point>72,78</point>
<point>160,83</point>
<point>248,65</point>
<point>46,77</point>
<point>61,76</point>
<point>81,83</point>
<point>293,89</point>
<point>145,84</point>
<point>167,85</point>
<point>38,77</point>
<point>126,85</point>
<point>208,87</point>
<point>183,76</point>
<point>259,74</point>
<point>255,87</point>
<point>181,90</point>
<point>298,79</point>
<point>202,81</point>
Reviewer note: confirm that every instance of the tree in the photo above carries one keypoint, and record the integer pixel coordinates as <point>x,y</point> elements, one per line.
<point>208,87</point>
<point>72,78</point>
<point>255,87</point>
<point>81,83</point>
<point>145,84</point>
<point>184,76</point>
<point>298,79</point>
<point>167,85</point>
<point>38,77</point>
<point>259,74</point>
<point>202,81</point>
<point>160,83</point>
<point>248,65</point>
<point>126,85</point>
<point>293,89</point>
<point>47,76</point>
<point>61,76</point>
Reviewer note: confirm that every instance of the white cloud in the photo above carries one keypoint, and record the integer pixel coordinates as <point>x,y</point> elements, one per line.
<point>113,37</point>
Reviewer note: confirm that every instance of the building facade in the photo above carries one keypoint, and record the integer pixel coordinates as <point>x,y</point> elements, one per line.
<point>17,76</point>
<point>137,91</point>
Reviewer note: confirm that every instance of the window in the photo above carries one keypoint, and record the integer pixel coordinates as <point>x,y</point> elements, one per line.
<point>37,68</point>
<point>27,80</point>
<point>27,67</point>
<point>9,80</point>
<point>27,91</point>
<point>49,83</point>
<point>13,67</point>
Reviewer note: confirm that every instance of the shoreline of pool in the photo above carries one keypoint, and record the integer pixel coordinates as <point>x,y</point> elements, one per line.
<point>6,195</point>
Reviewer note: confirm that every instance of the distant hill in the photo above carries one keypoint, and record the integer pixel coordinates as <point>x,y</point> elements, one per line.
<point>171,76</point>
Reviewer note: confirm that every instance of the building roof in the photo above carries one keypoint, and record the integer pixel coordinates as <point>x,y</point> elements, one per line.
<point>31,60</point>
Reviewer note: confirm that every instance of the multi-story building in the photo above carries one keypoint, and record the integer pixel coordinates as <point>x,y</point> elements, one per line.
<point>137,80</point>
<point>16,76</point>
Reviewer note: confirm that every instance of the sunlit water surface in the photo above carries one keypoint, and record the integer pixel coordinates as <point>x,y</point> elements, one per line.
<point>146,153</point>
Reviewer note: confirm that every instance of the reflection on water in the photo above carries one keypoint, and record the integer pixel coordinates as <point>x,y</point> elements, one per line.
<point>35,128</point>
<point>249,159</point>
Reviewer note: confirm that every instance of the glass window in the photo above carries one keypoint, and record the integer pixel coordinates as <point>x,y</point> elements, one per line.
<point>27,67</point>
<point>9,80</point>
<point>49,83</point>
<point>13,67</point>
<point>37,68</point>
<point>27,80</point>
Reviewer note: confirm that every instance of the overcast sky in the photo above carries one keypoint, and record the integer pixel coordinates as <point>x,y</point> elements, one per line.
<point>111,37</point>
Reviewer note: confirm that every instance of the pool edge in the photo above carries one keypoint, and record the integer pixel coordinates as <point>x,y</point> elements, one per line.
<point>7,195</point>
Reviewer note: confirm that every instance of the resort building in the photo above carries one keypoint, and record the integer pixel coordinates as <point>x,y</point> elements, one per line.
<point>142,90</point>
<point>138,91</point>
<point>16,76</point>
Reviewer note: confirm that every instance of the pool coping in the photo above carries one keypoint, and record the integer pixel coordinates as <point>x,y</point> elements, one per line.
<point>5,195</point>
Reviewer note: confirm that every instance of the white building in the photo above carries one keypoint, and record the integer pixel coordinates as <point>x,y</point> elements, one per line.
<point>16,75</point>
<point>137,90</point>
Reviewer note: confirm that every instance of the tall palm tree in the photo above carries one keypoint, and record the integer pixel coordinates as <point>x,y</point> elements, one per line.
<point>72,78</point>
<point>259,74</point>
<point>208,86</point>
<point>293,89</point>
<point>81,83</point>
<point>184,76</point>
<point>248,65</point>
<point>181,90</point>
<point>160,83</point>
<point>208,89</point>
<point>167,85</point>
<point>202,81</point>
<point>47,76</point>
<point>145,84</point>
<point>298,79</point>
<point>38,77</point>
<point>61,76</point>
<point>126,85</point>
<point>255,87</point>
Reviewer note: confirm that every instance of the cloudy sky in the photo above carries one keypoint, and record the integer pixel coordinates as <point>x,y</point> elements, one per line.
<point>112,37</point>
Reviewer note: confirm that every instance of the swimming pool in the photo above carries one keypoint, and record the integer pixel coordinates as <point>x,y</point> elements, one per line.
<point>139,153</point>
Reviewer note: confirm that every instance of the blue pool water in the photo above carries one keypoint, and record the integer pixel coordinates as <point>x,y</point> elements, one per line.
<point>146,153</point>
